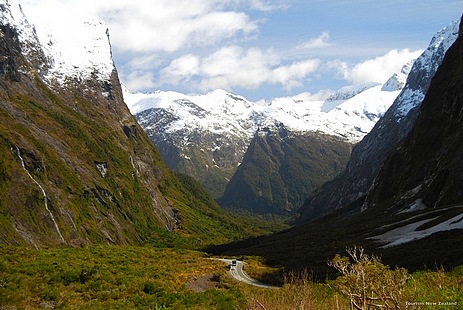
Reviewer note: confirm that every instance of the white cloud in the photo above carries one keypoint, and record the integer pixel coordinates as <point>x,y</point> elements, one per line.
<point>138,80</point>
<point>161,25</point>
<point>180,70</point>
<point>233,66</point>
<point>380,68</point>
<point>144,61</point>
<point>291,76</point>
<point>318,42</point>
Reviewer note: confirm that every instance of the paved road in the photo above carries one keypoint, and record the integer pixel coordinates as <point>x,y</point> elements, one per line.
<point>238,273</point>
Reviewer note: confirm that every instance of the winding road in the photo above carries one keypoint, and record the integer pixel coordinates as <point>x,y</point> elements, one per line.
<point>238,273</point>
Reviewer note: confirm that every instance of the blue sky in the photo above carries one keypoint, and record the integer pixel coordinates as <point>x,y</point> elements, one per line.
<point>258,48</point>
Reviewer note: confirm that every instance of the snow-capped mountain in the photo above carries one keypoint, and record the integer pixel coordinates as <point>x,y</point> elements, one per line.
<point>425,174</point>
<point>369,154</point>
<point>349,113</point>
<point>71,48</point>
<point>428,62</point>
<point>203,136</point>
<point>14,16</point>
<point>207,135</point>
<point>28,45</point>
<point>77,49</point>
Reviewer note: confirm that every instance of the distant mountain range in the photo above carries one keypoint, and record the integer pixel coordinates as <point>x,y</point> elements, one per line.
<point>224,140</point>
<point>401,195</point>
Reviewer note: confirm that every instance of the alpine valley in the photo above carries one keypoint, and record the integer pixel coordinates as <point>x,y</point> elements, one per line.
<point>76,168</point>
<point>262,157</point>
<point>117,200</point>
<point>400,195</point>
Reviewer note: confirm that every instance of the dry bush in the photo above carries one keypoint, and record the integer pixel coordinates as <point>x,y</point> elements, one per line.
<point>298,293</point>
<point>367,282</point>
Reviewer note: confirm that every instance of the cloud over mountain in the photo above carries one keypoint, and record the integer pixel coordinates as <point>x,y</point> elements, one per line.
<point>260,48</point>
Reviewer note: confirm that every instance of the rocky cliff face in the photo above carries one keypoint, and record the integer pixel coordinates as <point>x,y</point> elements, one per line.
<point>427,167</point>
<point>367,156</point>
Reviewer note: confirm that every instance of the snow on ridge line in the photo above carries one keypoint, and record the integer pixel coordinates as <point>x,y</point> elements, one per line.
<point>440,43</point>
<point>79,48</point>
<point>12,14</point>
<point>350,91</point>
<point>350,119</point>
<point>75,46</point>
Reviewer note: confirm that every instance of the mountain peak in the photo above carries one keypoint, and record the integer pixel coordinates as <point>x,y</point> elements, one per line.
<point>77,49</point>
<point>397,80</point>
<point>70,47</point>
<point>424,68</point>
<point>347,92</point>
<point>11,15</point>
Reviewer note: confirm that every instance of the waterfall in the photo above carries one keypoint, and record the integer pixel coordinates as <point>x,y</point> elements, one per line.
<point>43,192</point>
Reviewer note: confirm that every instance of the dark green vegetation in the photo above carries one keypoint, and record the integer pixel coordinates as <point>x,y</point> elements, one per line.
<point>280,169</point>
<point>309,246</point>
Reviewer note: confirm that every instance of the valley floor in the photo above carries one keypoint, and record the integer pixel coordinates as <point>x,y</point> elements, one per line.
<point>123,277</point>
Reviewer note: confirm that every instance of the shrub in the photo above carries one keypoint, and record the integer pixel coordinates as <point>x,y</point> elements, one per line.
<point>149,288</point>
<point>367,282</point>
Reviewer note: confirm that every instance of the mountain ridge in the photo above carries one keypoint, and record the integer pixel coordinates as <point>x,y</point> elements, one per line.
<point>412,215</point>
<point>76,168</point>
<point>431,160</point>
<point>367,156</point>
<point>207,136</point>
